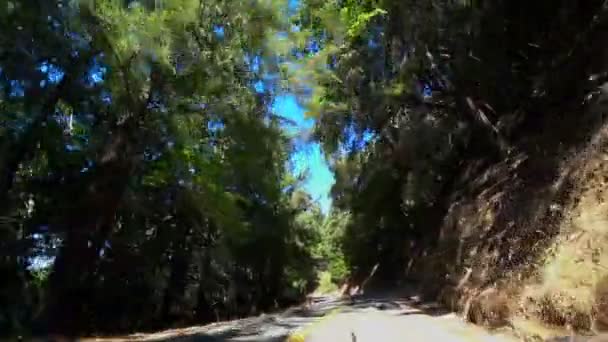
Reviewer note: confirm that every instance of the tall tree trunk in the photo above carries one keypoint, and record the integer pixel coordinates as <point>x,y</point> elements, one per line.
<point>180,262</point>
<point>205,310</point>
<point>88,227</point>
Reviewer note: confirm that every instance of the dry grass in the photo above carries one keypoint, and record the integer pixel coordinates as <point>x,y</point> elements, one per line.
<point>572,282</point>
<point>528,242</point>
<point>491,308</point>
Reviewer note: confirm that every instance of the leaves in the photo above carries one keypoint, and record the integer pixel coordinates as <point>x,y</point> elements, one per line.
<point>407,93</point>
<point>359,20</point>
<point>153,167</point>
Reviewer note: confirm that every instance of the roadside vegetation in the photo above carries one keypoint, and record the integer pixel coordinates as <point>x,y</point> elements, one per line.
<point>468,142</point>
<point>146,181</point>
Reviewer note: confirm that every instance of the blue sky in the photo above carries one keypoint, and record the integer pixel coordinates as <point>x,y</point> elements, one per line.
<point>308,156</point>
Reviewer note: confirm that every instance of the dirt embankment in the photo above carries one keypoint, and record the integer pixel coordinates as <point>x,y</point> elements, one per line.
<point>524,241</point>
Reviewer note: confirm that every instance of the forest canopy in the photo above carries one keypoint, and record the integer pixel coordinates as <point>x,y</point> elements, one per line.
<point>145,180</point>
<point>142,169</point>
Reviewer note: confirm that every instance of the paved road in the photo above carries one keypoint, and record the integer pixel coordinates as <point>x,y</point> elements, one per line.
<point>392,320</point>
<point>365,319</point>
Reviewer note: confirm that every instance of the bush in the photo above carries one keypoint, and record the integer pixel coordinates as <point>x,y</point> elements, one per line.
<point>338,269</point>
<point>326,284</point>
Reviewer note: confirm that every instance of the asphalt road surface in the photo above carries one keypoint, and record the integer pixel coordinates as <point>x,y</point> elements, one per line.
<point>329,319</point>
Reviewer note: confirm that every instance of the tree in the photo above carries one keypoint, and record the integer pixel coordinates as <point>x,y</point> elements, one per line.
<point>142,158</point>
<point>406,93</point>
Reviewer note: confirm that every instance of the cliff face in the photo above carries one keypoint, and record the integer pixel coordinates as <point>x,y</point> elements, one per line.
<point>527,237</point>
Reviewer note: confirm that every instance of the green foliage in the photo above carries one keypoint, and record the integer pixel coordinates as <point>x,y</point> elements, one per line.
<point>141,159</point>
<point>357,18</point>
<point>326,283</point>
<point>138,156</point>
<point>406,94</point>
<point>333,230</point>
<point>40,277</point>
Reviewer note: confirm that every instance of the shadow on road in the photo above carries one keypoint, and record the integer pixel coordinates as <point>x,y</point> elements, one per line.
<point>265,330</point>
<point>408,303</point>
<point>277,327</point>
